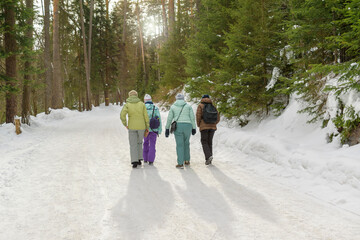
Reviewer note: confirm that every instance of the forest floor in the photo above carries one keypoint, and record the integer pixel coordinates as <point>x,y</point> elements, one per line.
<point>71,178</point>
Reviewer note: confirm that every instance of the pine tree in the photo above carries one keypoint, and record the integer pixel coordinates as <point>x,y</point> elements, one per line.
<point>254,43</point>
<point>173,62</point>
<point>350,36</point>
<point>310,31</point>
<point>206,44</point>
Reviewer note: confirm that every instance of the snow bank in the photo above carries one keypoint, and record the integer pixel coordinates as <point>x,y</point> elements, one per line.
<point>293,152</point>
<point>7,131</point>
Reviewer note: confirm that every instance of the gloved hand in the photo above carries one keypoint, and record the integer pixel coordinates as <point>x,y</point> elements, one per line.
<point>167,132</point>
<point>193,132</point>
<point>146,133</point>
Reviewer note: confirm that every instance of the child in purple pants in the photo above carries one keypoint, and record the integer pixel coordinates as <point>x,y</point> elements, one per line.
<point>149,147</point>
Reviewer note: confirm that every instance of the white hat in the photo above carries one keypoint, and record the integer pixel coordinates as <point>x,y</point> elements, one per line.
<point>147,98</point>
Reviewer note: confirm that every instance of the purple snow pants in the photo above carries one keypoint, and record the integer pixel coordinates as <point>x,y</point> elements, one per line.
<point>149,147</point>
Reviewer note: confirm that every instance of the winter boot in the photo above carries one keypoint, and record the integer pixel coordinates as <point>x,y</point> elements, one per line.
<point>139,163</point>
<point>134,164</point>
<point>187,162</point>
<point>180,166</point>
<point>151,163</point>
<point>209,160</point>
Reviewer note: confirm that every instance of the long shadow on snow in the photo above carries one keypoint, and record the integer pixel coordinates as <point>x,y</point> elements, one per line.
<point>145,205</point>
<point>244,197</point>
<point>207,202</point>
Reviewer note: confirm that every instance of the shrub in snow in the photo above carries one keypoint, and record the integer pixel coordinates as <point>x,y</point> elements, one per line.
<point>347,123</point>
<point>332,93</point>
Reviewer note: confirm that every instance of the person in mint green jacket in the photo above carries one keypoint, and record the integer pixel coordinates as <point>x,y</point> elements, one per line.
<point>183,114</point>
<point>137,124</point>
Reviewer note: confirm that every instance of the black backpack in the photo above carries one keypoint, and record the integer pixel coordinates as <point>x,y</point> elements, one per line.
<point>210,114</point>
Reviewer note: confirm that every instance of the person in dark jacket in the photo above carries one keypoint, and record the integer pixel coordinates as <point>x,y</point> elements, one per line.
<point>207,130</point>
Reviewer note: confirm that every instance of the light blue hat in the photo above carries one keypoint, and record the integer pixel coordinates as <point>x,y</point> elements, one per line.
<point>180,96</point>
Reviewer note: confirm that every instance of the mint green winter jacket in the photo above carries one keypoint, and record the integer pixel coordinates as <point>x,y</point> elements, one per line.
<point>149,107</point>
<point>187,114</point>
<point>138,118</point>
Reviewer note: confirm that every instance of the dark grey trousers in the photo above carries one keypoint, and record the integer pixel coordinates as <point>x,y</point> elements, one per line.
<point>207,142</point>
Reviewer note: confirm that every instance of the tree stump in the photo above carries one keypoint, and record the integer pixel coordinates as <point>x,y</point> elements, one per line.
<point>17,126</point>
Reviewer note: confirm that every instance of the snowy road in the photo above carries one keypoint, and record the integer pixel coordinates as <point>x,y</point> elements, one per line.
<point>72,179</point>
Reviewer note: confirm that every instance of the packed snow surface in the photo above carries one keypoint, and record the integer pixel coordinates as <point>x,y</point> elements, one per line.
<point>68,176</point>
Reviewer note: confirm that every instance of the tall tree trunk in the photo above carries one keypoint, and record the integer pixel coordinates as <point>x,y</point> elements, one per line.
<point>179,14</point>
<point>25,115</point>
<point>171,16</point>
<point>47,57</point>
<point>90,32</point>
<point>124,24</point>
<point>96,99</point>
<point>336,51</point>
<point>88,90</point>
<point>158,62</point>
<point>86,60</point>
<point>198,5</point>
<point>80,73</point>
<point>141,41</point>
<point>191,9</point>
<point>57,79</point>
<point>123,55</point>
<point>10,61</point>
<point>34,102</point>
<point>106,83</point>
<point>164,18</point>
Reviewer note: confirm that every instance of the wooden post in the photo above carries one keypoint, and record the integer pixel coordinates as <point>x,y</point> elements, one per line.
<point>17,126</point>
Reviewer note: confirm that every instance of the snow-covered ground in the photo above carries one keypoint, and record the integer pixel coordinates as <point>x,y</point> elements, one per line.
<point>68,176</point>
<point>292,152</point>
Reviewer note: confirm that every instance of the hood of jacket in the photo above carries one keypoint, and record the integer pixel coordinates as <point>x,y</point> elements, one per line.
<point>133,99</point>
<point>179,103</point>
<point>149,105</point>
<point>206,100</point>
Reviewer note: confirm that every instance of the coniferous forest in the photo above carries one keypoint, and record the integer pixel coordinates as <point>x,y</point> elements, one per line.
<point>250,56</point>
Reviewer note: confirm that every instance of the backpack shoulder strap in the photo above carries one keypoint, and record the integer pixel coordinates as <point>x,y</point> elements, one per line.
<point>153,112</point>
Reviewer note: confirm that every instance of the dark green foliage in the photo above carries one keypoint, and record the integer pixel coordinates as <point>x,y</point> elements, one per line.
<point>250,56</point>
<point>237,45</point>
<point>173,62</point>
<point>346,122</point>
<point>205,47</point>
<point>310,30</point>
<point>350,25</point>
<point>233,58</point>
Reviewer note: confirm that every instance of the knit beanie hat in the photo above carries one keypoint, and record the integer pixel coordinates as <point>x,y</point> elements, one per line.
<point>205,96</point>
<point>133,93</point>
<point>179,96</point>
<point>147,98</point>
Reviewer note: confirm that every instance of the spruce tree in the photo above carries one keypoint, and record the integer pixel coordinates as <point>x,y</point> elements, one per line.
<point>205,45</point>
